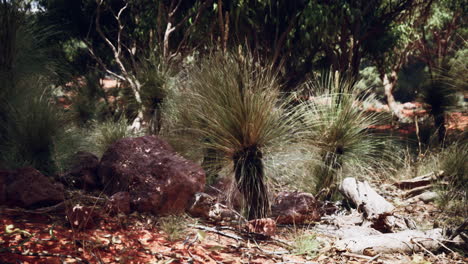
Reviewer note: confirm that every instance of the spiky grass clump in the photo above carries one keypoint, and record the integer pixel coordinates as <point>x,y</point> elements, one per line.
<point>453,191</point>
<point>233,108</point>
<point>305,244</point>
<point>89,102</point>
<point>341,130</point>
<point>29,135</point>
<point>105,133</point>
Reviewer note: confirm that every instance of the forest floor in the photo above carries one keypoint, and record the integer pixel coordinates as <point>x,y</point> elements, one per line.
<point>138,238</point>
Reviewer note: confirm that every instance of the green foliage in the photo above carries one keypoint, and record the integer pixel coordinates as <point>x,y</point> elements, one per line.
<point>453,191</point>
<point>156,85</point>
<point>174,226</point>
<point>89,102</point>
<point>233,110</point>
<point>369,80</point>
<point>29,135</point>
<point>104,134</point>
<point>305,244</point>
<point>30,122</point>
<point>341,130</point>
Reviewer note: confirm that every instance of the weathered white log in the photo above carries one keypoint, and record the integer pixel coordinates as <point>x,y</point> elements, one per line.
<point>345,232</point>
<point>365,198</point>
<point>404,242</point>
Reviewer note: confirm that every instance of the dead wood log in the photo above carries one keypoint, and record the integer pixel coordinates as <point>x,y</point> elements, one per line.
<point>405,242</point>
<point>365,198</point>
<point>417,191</point>
<point>419,181</point>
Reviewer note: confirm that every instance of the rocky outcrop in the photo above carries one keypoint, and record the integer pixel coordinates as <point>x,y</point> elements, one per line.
<point>295,208</point>
<point>157,179</point>
<point>263,226</point>
<point>83,172</point>
<point>119,203</point>
<point>207,207</point>
<point>28,188</point>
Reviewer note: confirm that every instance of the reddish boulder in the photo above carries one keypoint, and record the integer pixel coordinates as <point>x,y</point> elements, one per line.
<point>156,177</point>
<point>119,203</point>
<point>206,206</point>
<point>83,172</point>
<point>295,208</point>
<point>28,187</point>
<point>81,217</point>
<point>263,226</point>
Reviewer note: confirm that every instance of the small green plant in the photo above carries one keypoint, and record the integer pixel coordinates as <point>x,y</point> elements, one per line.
<point>174,226</point>
<point>306,244</point>
<point>453,189</point>
<point>106,133</point>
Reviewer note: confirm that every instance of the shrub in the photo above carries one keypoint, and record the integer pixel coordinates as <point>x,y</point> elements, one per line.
<point>453,190</point>
<point>29,135</point>
<point>104,134</point>
<point>233,110</point>
<point>341,131</point>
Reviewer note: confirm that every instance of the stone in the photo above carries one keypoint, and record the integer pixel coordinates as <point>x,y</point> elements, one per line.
<point>207,207</point>
<point>119,203</point>
<point>28,188</point>
<point>81,217</point>
<point>83,172</point>
<point>158,179</point>
<point>295,208</point>
<point>263,226</point>
<point>225,191</point>
<point>201,205</point>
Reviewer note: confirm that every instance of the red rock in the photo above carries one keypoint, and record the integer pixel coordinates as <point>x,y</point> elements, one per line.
<point>226,192</point>
<point>157,179</point>
<point>205,206</point>
<point>120,203</point>
<point>83,172</point>
<point>295,208</point>
<point>264,226</point>
<point>81,217</point>
<point>27,187</point>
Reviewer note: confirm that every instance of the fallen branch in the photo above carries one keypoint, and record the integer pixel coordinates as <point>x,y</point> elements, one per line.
<point>419,181</point>
<point>365,198</point>
<point>214,230</point>
<point>417,191</point>
<point>407,241</point>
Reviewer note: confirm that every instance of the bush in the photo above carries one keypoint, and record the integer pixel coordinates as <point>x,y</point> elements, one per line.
<point>30,134</point>
<point>453,190</point>
<point>233,111</point>
<point>341,131</point>
<point>106,133</point>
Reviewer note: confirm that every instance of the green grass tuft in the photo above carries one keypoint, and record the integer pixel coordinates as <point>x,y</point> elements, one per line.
<point>234,113</point>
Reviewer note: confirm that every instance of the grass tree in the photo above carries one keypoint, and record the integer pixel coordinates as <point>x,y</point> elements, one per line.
<point>341,130</point>
<point>234,107</point>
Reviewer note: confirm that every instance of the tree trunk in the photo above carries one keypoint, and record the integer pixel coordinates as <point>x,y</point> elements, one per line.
<point>439,122</point>
<point>389,84</point>
<point>249,174</point>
